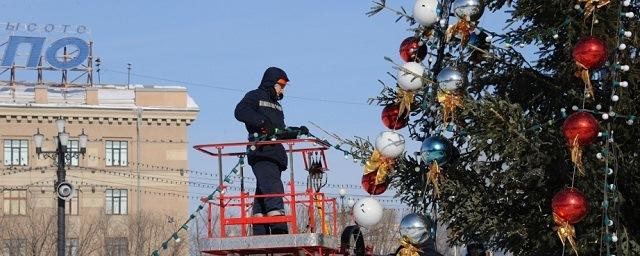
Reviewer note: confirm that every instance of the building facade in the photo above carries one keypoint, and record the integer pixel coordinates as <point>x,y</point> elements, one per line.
<point>131,184</point>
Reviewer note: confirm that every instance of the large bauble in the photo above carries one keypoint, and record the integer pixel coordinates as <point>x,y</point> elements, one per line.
<point>470,10</point>
<point>367,212</point>
<point>591,52</point>
<point>414,228</point>
<point>412,50</point>
<point>449,79</point>
<point>390,144</point>
<point>580,125</point>
<point>411,81</point>
<point>369,184</point>
<point>392,120</point>
<point>425,12</point>
<point>436,148</point>
<point>570,205</point>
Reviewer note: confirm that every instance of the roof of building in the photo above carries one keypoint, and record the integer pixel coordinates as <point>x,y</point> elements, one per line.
<point>108,95</point>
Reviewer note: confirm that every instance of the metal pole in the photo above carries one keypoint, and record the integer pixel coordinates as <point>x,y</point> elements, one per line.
<point>60,151</point>
<point>138,123</point>
<point>220,181</point>
<point>128,74</point>
<point>342,217</point>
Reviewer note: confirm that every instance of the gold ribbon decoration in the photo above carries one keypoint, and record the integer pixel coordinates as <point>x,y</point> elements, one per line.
<point>434,176</point>
<point>405,100</point>
<point>450,102</point>
<point>591,5</point>
<point>379,163</point>
<point>318,198</point>
<point>408,249</point>
<point>462,28</point>
<point>583,73</point>
<point>576,155</point>
<point>427,32</point>
<point>566,232</point>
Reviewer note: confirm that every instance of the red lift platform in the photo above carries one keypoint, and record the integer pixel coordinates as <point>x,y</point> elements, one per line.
<point>318,237</point>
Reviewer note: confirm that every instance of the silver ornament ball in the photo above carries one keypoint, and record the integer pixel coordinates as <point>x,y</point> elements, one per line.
<point>471,10</point>
<point>449,79</point>
<point>414,228</point>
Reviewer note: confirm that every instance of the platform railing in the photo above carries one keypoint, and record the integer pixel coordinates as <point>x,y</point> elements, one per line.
<point>316,204</point>
<point>312,200</point>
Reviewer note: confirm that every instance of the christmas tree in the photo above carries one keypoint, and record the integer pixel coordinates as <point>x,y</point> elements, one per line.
<point>529,155</point>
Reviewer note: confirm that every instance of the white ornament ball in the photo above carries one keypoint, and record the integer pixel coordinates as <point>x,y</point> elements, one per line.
<point>425,12</point>
<point>367,212</point>
<point>412,80</point>
<point>624,67</point>
<point>390,144</point>
<point>615,98</point>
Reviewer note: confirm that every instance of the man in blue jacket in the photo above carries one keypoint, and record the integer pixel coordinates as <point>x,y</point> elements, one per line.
<point>261,113</point>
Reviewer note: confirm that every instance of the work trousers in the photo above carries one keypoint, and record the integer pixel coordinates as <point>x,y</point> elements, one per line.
<point>268,182</point>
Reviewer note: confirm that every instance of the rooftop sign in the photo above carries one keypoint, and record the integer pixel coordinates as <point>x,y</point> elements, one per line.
<point>23,45</point>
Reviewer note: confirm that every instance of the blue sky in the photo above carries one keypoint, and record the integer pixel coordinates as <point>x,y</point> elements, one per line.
<point>330,49</point>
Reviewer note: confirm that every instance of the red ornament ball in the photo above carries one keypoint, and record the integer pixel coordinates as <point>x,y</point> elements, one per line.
<point>581,125</point>
<point>390,117</point>
<point>591,52</point>
<point>411,50</point>
<point>369,184</point>
<point>570,205</point>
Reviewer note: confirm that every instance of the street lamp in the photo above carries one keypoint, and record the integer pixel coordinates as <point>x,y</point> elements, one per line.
<point>342,192</point>
<point>351,202</point>
<point>63,188</point>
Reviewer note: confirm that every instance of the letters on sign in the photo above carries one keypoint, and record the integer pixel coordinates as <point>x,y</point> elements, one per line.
<point>36,44</point>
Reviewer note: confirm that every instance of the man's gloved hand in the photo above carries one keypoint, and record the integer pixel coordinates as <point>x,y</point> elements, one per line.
<point>304,130</point>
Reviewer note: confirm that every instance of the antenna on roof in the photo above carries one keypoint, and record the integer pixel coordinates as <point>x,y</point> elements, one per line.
<point>128,73</point>
<point>98,62</point>
<point>90,65</point>
<point>64,71</point>
<point>40,81</point>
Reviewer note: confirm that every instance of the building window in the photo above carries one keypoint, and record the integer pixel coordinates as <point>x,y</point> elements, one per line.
<point>116,201</point>
<point>16,152</point>
<point>72,206</point>
<point>14,247</point>
<point>72,247</point>
<point>74,147</point>
<point>116,153</point>
<point>15,201</point>
<point>116,246</point>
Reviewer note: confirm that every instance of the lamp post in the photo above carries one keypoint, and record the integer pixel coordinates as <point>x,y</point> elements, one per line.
<point>61,186</point>
<point>342,192</point>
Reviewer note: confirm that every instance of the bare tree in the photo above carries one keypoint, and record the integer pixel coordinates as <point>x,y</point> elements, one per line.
<point>198,235</point>
<point>383,236</point>
<point>90,234</point>
<point>147,230</point>
<point>36,229</point>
